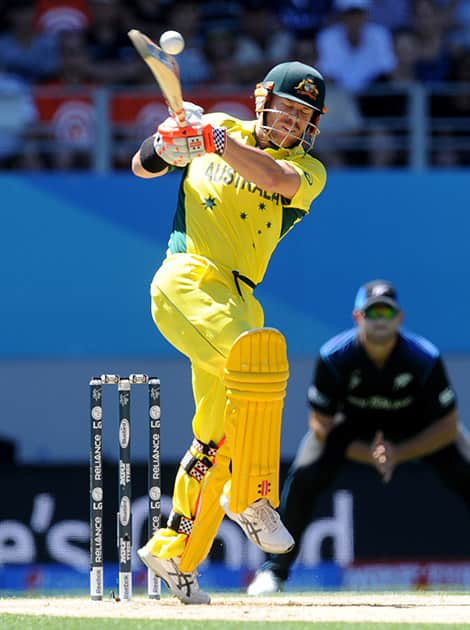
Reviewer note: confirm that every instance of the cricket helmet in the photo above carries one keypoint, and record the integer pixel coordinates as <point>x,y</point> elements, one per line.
<point>297,82</point>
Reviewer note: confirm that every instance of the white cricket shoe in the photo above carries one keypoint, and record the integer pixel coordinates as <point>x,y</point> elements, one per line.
<point>262,524</point>
<point>265,583</point>
<point>184,585</point>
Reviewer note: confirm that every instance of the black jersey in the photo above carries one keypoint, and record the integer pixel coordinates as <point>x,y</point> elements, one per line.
<point>408,393</point>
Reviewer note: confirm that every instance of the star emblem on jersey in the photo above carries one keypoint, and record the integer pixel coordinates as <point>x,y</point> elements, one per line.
<point>307,88</point>
<point>268,224</point>
<point>243,215</point>
<point>262,207</point>
<point>209,202</point>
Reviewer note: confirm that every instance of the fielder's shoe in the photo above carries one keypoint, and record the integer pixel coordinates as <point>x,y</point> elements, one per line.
<point>265,583</point>
<point>184,585</point>
<point>262,525</point>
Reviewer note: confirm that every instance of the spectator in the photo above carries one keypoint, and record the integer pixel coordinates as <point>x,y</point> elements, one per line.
<point>433,57</point>
<point>149,16</point>
<point>382,147</point>
<point>18,116</point>
<point>381,397</point>
<point>220,50</point>
<point>300,16</point>
<point>405,44</point>
<point>344,120</point>
<point>460,26</point>
<point>333,146</point>
<point>388,146</point>
<point>451,112</point>
<point>303,47</point>
<point>73,126</point>
<point>216,14</point>
<point>29,55</point>
<point>75,67</point>
<point>186,17</point>
<point>114,60</point>
<point>392,14</point>
<point>257,49</point>
<point>354,51</point>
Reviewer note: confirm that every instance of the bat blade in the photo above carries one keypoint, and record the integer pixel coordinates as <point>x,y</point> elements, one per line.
<point>165,70</point>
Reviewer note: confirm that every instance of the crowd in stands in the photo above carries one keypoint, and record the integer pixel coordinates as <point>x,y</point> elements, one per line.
<point>369,51</point>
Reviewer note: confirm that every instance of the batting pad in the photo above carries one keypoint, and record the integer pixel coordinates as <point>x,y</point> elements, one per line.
<point>209,514</point>
<point>255,376</point>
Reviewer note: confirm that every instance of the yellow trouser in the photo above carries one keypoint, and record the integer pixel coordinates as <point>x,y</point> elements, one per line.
<point>198,310</point>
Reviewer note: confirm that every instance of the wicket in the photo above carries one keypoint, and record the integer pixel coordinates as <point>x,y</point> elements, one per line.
<point>124,515</point>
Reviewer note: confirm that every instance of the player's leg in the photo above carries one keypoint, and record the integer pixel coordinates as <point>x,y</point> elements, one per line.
<point>314,469</point>
<point>179,302</point>
<point>256,374</point>
<point>255,382</point>
<point>175,551</point>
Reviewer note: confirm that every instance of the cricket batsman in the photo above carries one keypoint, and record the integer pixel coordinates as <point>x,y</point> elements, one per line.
<point>244,185</point>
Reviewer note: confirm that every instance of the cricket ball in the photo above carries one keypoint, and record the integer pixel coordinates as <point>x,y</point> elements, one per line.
<point>172,42</point>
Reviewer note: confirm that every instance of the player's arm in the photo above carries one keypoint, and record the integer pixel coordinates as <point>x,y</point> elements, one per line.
<point>321,424</point>
<point>438,402</point>
<point>385,456</point>
<point>260,168</point>
<point>439,434</point>
<point>322,399</point>
<point>171,146</point>
<point>146,162</point>
<point>359,451</point>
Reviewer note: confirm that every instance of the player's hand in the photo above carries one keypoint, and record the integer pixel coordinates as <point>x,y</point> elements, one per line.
<point>383,455</point>
<point>177,145</point>
<point>193,113</point>
<point>180,145</point>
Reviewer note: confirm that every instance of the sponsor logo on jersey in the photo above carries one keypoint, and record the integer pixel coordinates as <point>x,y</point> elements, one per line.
<point>446,397</point>
<point>354,380</point>
<point>380,402</point>
<point>402,380</point>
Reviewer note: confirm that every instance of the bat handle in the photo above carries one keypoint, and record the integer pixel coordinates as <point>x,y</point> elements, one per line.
<point>180,116</point>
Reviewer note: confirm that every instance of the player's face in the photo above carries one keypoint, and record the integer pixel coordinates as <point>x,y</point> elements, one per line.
<point>286,121</point>
<point>379,323</point>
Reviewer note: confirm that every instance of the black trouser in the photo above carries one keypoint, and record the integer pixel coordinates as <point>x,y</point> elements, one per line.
<point>305,483</point>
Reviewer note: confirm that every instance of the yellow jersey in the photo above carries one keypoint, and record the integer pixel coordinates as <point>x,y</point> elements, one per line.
<point>228,219</point>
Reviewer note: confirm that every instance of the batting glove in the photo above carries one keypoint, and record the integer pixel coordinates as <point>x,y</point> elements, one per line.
<point>193,113</point>
<point>178,145</point>
<point>215,139</point>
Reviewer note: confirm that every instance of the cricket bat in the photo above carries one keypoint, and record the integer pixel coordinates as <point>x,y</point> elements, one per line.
<point>165,70</point>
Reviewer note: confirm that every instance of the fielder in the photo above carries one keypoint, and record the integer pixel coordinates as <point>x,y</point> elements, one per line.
<point>379,396</point>
<point>244,185</point>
